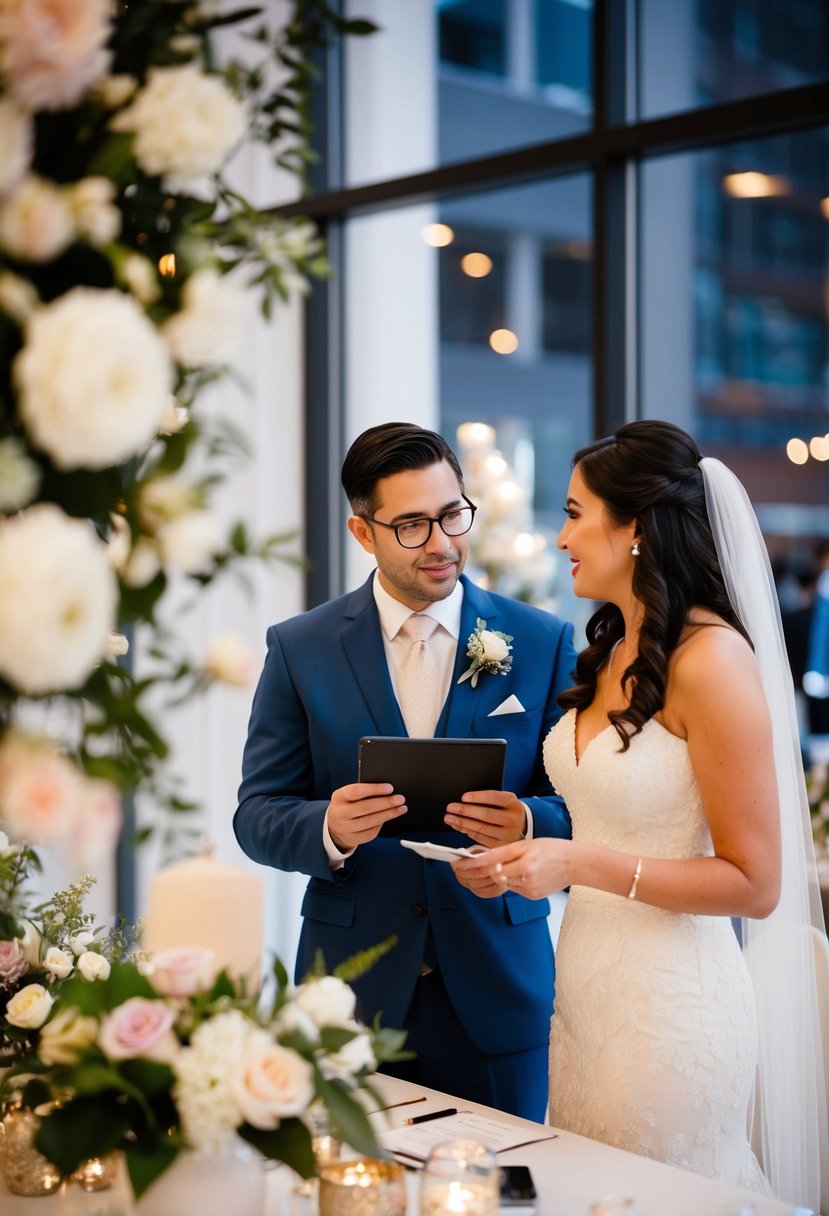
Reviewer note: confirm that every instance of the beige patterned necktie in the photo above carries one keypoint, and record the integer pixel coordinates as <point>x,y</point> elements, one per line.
<point>419,678</point>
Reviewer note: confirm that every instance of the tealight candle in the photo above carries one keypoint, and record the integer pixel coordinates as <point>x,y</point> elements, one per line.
<point>467,1198</point>
<point>460,1178</point>
<point>362,1186</point>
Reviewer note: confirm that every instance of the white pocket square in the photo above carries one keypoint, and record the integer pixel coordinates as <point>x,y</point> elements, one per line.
<point>511,706</point>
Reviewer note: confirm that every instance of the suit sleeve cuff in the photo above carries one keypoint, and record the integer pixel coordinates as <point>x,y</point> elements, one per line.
<point>528,835</point>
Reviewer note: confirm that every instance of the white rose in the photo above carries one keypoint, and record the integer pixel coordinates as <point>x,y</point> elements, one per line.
<point>164,498</point>
<point>189,542</point>
<point>66,1036</point>
<point>139,276</point>
<point>183,970</point>
<point>113,91</point>
<point>185,123</point>
<point>291,1020</point>
<point>354,1056</point>
<point>78,942</point>
<point>118,644</point>
<point>143,565</point>
<point>29,1008</point>
<point>58,963</point>
<point>494,649</point>
<point>327,1001</point>
<point>30,944</point>
<point>19,476</point>
<point>15,144</point>
<point>93,966</point>
<point>53,50</point>
<point>92,200</point>
<point>94,379</point>
<point>18,297</point>
<point>230,660</point>
<point>36,222</point>
<point>206,331</point>
<point>271,1083</point>
<point>57,600</point>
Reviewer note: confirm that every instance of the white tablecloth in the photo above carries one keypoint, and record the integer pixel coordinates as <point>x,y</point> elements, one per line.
<point>570,1173</point>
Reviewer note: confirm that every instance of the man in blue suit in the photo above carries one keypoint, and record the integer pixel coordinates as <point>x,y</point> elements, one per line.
<point>470,979</point>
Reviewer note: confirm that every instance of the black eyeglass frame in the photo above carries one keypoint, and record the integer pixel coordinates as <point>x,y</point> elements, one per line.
<point>431,520</point>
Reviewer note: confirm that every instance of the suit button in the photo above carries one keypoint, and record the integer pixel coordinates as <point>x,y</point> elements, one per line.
<point>418,910</point>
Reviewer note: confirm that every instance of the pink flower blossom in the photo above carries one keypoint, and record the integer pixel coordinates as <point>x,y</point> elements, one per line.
<point>183,970</point>
<point>13,963</point>
<point>139,1028</point>
<point>52,51</point>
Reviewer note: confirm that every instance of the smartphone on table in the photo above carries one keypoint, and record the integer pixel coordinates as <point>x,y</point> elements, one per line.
<point>517,1187</point>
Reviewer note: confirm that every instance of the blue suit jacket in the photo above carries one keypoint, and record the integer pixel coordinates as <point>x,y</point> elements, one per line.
<point>325,684</point>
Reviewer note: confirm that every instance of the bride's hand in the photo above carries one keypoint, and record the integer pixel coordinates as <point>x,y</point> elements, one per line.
<point>533,868</point>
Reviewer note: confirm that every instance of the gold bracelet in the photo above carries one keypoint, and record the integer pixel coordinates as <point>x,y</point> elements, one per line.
<point>637,872</point>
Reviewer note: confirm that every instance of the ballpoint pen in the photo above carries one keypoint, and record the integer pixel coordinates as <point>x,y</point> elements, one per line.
<point>435,1114</point>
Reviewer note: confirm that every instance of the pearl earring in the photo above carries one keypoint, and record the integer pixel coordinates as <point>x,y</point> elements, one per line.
<point>634,549</point>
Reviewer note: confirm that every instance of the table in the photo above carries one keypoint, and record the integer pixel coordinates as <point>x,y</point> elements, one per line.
<point>570,1173</point>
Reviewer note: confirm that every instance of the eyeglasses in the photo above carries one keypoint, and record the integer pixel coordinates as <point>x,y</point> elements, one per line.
<point>414,533</point>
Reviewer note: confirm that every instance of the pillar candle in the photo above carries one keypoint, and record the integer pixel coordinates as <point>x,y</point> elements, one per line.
<point>203,902</point>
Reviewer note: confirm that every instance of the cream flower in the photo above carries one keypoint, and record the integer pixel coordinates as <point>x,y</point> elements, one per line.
<point>494,647</point>
<point>51,51</point>
<point>230,660</point>
<point>185,123</point>
<point>36,222</point>
<point>353,1057</point>
<point>118,644</point>
<point>92,200</point>
<point>93,966</point>
<point>183,970</point>
<point>327,1001</point>
<point>272,1083</point>
<point>30,941</point>
<point>57,600</point>
<point>39,791</point>
<point>78,942</point>
<point>58,963</point>
<point>143,565</point>
<point>66,1036</point>
<point>94,379</point>
<point>18,297</point>
<point>15,144</point>
<point>205,332</point>
<point>139,276</point>
<point>19,476</point>
<point>30,1007</point>
<point>188,542</point>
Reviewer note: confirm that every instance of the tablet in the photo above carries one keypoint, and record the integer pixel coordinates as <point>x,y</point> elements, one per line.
<point>430,773</point>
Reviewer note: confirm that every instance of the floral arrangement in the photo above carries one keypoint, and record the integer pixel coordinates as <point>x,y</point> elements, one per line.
<point>126,262</point>
<point>489,650</point>
<point>118,1051</point>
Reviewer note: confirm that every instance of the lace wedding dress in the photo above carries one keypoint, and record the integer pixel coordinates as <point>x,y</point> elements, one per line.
<point>653,1044</point>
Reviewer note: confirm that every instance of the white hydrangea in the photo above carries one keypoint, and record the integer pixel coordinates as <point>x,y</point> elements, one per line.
<point>19,476</point>
<point>57,600</point>
<point>206,330</point>
<point>15,144</point>
<point>203,1090</point>
<point>93,377</point>
<point>185,122</point>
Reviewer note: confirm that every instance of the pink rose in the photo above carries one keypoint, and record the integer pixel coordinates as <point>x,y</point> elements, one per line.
<point>13,963</point>
<point>139,1028</point>
<point>272,1083</point>
<point>53,50</point>
<point>183,970</point>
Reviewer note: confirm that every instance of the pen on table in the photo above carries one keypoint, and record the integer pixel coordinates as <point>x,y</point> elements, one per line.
<point>435,1114</point>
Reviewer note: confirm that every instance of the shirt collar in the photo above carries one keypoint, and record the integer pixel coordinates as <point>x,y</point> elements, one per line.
<point>392,613</point>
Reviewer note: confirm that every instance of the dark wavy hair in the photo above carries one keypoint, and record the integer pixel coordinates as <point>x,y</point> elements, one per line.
<point>649,472</point>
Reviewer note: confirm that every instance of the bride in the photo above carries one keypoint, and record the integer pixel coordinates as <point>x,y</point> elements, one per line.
<point>679,763</point>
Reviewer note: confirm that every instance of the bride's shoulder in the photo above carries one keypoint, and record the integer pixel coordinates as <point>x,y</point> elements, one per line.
<point>709,648</point>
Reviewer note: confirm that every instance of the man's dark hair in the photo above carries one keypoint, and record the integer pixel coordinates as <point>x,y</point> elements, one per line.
<point>392,447</point>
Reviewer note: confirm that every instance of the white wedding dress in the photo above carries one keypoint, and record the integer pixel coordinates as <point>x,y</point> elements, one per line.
<point>653,1043</point>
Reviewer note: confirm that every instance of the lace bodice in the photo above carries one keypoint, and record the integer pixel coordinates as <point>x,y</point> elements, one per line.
<point>653,1043</point>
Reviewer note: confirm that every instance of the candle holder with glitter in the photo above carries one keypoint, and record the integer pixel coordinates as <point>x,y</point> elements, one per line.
<point>362,1186</point>
<point>324,1145</point>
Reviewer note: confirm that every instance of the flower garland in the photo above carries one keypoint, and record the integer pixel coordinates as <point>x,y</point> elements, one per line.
<point>126,260</point>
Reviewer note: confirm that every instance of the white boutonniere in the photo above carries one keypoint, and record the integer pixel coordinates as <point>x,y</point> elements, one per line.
<point>489,651</point>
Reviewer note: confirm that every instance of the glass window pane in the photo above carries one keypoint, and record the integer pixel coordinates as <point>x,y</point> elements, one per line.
<point>488,324</point>
<point>700,52</point>
<point>734,289</point>
<point>450,80</point>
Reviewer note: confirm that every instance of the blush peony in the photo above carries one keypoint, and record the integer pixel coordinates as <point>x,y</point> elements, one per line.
<point>94,379</point>
<point>57,600</point>
<point>51,51</point>
<point>39,791</point>
<point>185,123</point>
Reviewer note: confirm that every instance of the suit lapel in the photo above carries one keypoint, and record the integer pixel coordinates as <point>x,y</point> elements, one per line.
<point>363,644</point>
